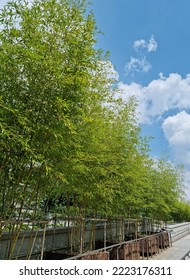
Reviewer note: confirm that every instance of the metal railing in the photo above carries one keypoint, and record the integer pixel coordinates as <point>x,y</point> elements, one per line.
<point>180,234</point>
<point>186,256</point>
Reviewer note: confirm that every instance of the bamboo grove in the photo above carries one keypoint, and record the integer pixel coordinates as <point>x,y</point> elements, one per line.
<point>68,146</point>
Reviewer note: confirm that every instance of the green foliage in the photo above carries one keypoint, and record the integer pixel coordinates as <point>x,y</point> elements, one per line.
<point>181,211</point>
<point>68,145</point>
<point>166,187</point>
<point>47,59</point>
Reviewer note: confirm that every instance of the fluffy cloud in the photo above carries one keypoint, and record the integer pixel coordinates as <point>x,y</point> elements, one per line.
<point>159,96</point>
<point>137,65</point>
<point>140,62</point>
<point>150,46</point>
<point>176,130</point>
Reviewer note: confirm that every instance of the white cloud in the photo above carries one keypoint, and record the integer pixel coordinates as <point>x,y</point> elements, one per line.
<point>139,44</point>
<point>137,65</point>
<point>159,96</point>
<point>140,63</point>
<point>177,131</point>
<point>176,128</point>
<point>150,46</point>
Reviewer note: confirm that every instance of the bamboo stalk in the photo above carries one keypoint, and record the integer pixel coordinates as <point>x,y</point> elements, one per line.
<point>43,242</point>
<point>15,238</point>
<point>18,251</point>
<point>32,247</point>
<point>81,236</point>
<point>104,234</point>
<point>30,242</point>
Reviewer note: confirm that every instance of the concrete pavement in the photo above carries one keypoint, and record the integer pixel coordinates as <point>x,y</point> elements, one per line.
<point>176,251</point>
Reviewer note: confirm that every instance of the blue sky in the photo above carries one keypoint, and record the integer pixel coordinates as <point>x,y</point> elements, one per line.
<point>149,44</point>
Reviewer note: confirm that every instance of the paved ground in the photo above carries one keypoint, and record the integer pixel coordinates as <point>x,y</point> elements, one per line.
<point>176,252</point>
